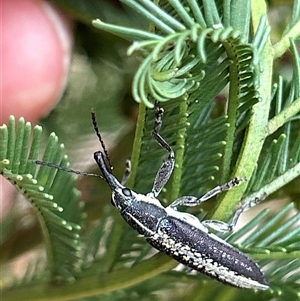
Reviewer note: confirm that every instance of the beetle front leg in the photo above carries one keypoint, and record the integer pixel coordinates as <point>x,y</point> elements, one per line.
<point>166,168</point>
<point>127,172</point>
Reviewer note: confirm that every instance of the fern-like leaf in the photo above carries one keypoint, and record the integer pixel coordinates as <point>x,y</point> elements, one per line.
<point>52,193</point>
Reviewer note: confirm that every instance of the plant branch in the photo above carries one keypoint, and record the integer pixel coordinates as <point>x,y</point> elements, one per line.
<point>279,120</point>
<point>276,255</point>
<point>95,285</point>
<point>268,189</point>
<point>255,134</point>
<point>284,44</point>
<point>127,32</point>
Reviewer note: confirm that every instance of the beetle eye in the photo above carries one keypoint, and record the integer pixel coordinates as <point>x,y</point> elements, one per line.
<point>126,192</point>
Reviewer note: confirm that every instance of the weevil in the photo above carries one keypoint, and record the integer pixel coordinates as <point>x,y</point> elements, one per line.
<point>178,234</point>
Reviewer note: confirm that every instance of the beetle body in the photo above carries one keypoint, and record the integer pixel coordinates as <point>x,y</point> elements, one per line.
<point>178,234</point>
<point>182,236</point>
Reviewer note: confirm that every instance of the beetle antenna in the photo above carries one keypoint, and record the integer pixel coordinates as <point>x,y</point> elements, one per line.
<point>63,168</point>
<point>96,128</point>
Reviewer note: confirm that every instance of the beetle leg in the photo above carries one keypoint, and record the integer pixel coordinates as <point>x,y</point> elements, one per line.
<point>166,168</point>
<point>232,183</point>
<point>127,172</point>
<point>184,201</point>
<point>227,227</point>
<point>191,201</point>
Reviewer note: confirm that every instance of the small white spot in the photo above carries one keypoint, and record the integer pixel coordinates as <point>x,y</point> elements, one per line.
<point>217,26</point>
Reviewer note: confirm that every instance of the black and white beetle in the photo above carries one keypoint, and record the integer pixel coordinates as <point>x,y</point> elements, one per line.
<point>181,235</point>
<point>178,234</point>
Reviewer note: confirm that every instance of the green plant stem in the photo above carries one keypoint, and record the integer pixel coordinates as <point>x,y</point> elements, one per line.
<point>276,255</point>
<point>284,44</point>
<point>268,189</point>
<point>255,135</point>
<point>280,119</point>
<point>125,32</point>
<point>109,282</point>
<point>231,111</point>
<point>179,155</point>
<point>137,144</point>
<point>94,285</point>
